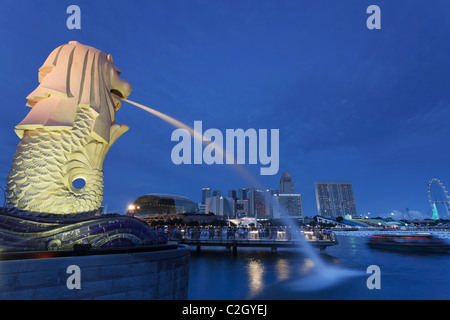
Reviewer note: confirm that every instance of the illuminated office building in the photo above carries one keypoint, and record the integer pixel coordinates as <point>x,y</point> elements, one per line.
<point>287,205</point>
<point>335,199</point>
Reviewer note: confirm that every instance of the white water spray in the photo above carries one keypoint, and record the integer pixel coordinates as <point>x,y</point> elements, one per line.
<point>319,274</point>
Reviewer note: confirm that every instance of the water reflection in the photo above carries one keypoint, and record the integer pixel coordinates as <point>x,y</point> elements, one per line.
<point>283,269</point>
<point>260,274</point>
<point>251,273</point>
<point>264,270</point>
<point>255,270</point>
<point>306,266</point>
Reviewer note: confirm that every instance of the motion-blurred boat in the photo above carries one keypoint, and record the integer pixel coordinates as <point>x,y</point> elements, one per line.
<point>409,242</point>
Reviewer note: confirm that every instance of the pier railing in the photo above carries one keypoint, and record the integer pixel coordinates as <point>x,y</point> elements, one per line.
<point>244,237</point>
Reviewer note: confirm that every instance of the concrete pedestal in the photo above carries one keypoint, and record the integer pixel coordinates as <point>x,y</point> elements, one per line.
<point>161,273</point>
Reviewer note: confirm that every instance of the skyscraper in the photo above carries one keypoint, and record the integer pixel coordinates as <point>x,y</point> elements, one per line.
<point>206,193</point>
<point>287,205</point>
<point>220,206</point>
<point>242,194</point>
<point>335,199</point>
<point>232,194</point>
<point>241,208</point>
<point>259,203</point>
<point>286,183</point>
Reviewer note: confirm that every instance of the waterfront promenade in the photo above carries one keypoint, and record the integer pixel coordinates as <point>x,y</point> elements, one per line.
<point>232,238</point>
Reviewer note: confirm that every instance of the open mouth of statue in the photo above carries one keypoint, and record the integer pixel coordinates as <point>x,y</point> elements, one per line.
<point>117,93</point>
<point>117,97</point>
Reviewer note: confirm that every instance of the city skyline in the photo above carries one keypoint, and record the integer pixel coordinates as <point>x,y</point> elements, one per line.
<point>405,213</point>
<point>252,202</point>
<point>350,104</point>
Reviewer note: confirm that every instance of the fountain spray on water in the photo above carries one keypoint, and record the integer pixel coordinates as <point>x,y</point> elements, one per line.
<point>322,275</point>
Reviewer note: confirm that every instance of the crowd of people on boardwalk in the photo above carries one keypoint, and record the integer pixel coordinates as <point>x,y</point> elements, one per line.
<point>246,232</point>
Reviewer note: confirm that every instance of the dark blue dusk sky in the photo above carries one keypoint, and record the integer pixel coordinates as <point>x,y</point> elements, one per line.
<point>352,104</point>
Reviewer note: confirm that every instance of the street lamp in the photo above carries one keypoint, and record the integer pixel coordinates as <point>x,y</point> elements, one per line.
<point>131,209</point>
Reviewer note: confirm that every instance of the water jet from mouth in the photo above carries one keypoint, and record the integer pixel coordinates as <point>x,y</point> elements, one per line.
<point>198,136</point>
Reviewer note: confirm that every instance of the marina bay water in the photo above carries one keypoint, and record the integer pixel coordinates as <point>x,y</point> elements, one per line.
<point>252,273</point>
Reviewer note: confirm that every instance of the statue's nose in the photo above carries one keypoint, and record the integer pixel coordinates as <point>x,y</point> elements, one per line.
<point>123,90</point>
<point>126,89</point>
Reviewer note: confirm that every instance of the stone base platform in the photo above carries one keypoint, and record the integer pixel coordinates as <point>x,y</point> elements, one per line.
<point>156,272</point>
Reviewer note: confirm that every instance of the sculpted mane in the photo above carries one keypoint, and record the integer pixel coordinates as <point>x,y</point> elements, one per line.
<point>73,76</point>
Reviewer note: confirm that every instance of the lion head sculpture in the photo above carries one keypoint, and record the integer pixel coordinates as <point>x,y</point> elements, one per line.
<point>76,75</point>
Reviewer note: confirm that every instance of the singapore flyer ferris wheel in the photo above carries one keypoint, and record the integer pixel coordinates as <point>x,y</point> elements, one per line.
<point>439,199</point>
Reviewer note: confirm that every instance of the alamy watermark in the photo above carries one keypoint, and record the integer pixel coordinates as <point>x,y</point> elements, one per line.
<point>231,151</point>
<point>74,20</point>
<point>374,280</point>
<point>374,20</point>
<point>74,280</point>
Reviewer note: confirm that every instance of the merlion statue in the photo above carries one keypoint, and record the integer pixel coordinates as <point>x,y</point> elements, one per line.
<point>67,133</point>
<point>64,139</point>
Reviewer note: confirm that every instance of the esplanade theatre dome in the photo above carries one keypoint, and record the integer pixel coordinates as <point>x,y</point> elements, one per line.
<point>160,204</point>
